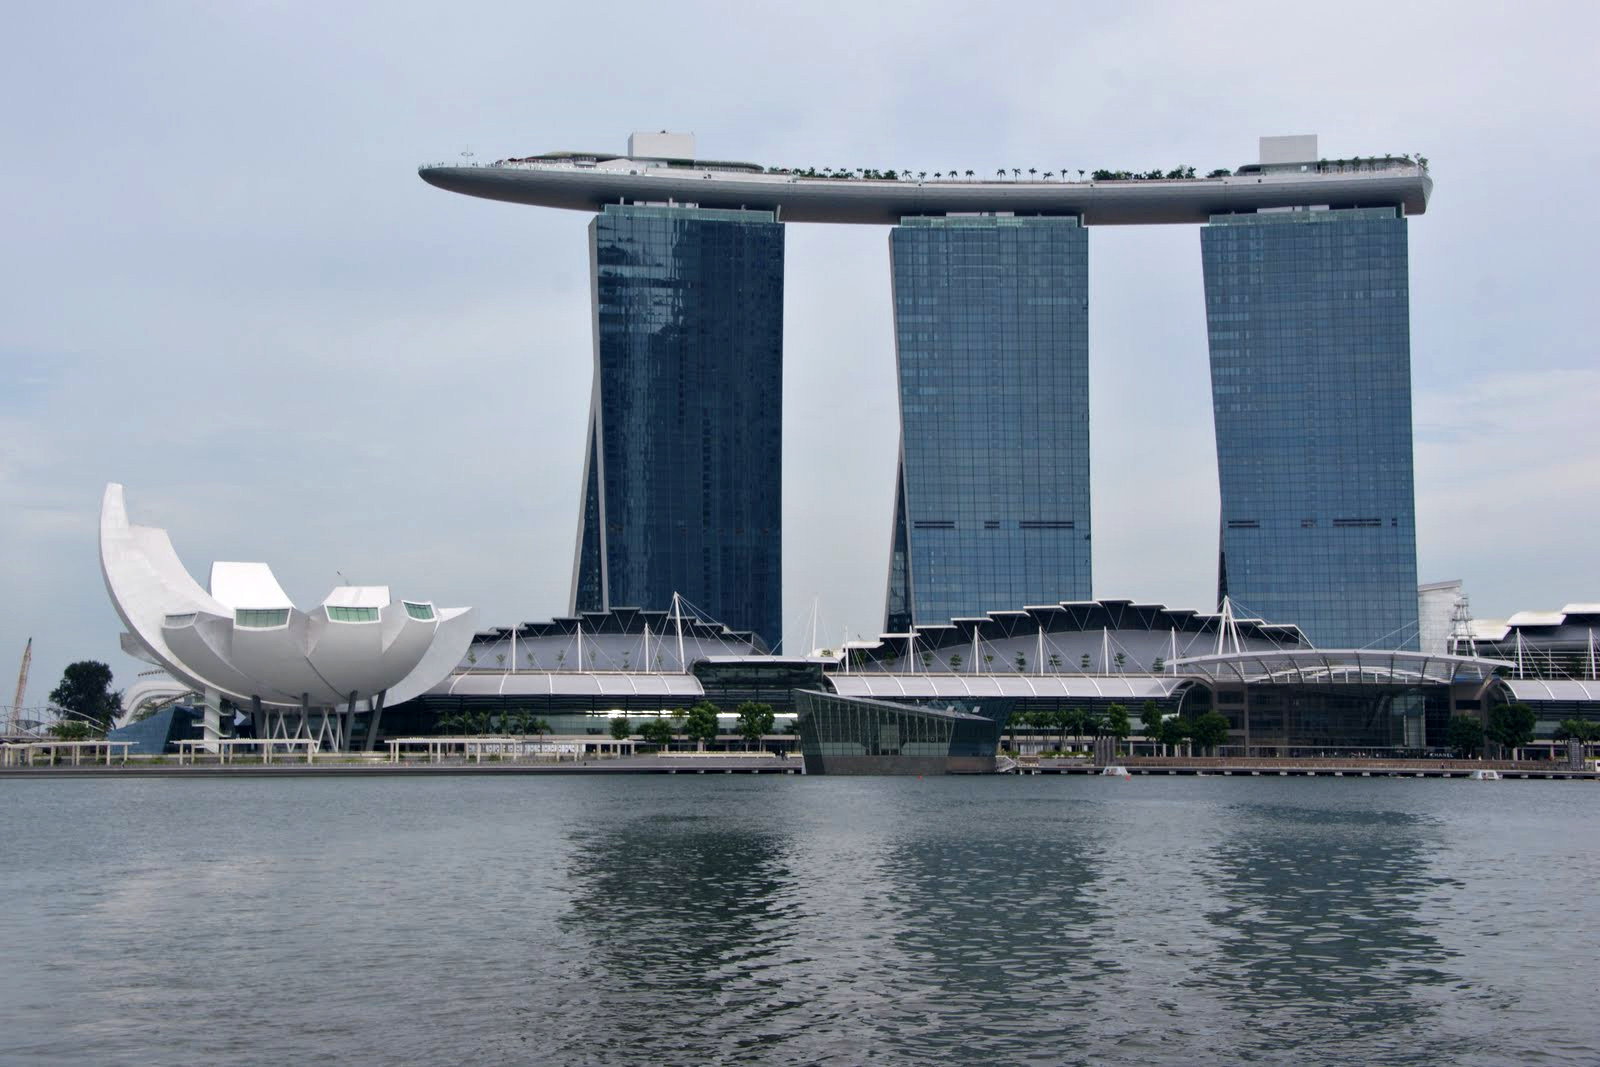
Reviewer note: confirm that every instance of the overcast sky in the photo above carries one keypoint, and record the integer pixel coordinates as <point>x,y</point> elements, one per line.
<point>225,286</point>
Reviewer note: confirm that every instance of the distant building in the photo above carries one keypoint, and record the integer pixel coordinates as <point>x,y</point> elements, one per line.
<point>683,478</point>
<point>321,675</point>
<point>992,350</point>
<point>851,735</point>
<point>1438,606</point>
<point>1307,297</point>
<point>1308,313</point>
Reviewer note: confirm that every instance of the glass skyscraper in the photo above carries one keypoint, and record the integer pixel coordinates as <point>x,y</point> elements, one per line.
<point>683,478</point>
<point>1308,315</point>
<point>992,348</point>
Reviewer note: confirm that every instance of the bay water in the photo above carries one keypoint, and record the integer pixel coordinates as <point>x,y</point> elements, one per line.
<point>739,919</point>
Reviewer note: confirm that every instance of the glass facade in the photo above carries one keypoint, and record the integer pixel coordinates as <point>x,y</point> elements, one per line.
<point>683,482</point>
<point>260,618</point>
<point>338,614</point>
<point>853,735</point>
<point>1308,316</point>
<point>992,348</point>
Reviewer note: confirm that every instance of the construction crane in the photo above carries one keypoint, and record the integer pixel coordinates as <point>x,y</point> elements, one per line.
<point>22,678</point>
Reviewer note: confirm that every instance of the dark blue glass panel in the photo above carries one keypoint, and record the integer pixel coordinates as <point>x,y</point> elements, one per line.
<point>1308,315</point>
<point>686,455</point>
<point>992,345</point>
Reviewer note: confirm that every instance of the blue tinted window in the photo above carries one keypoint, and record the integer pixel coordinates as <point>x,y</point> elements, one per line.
<point>1308,316</point>
<point>683,485</point>
<point>992,346</point>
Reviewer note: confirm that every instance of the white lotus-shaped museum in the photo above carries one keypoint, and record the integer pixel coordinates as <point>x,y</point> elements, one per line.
<point>245,640</point>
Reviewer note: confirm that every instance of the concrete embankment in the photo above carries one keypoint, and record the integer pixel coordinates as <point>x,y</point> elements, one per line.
<point>1313,768</point>
<point>736,763</point>
<point>686,764</point>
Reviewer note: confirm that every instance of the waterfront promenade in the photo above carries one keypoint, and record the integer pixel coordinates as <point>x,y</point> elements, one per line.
<point>1313,767</point>
<point>380,766</point>
<point>337,765</point>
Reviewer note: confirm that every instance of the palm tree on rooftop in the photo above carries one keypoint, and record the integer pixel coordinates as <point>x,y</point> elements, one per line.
<point>1031,173</point>
<point>969,174</point>
<point>1016,172</point>
<point>1001,172</point>
<point>1049,174</point>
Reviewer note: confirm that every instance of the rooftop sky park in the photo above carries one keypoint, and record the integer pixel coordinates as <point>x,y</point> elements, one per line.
<point>660,169</point>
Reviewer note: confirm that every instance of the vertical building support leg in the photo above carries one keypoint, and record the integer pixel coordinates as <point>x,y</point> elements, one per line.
<point>211,728</point>
<point>377,716</point>
<point>349,739</point>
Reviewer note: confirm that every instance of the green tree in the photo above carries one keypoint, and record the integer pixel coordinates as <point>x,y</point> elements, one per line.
<point>1066,721</point>
<point>1084,663</point>
<point>1150,718</point>
<point>70,730</point>
<point>701,723</point>
<point>1015,719</point>
<point>1464,734</point>
<point>656,731</point>
<point>1511,725</point>
<point>755,720</point>
<point>1022,663</point>
<point>85,694</point>
<point>1117,724</point>
<point>620,728</point>
<point>1577,730</point>
<point>955,663</point>
<point>1209,731</point>
<point>1174,731</point>
<point>1038,721</point>
<point>537,726</point>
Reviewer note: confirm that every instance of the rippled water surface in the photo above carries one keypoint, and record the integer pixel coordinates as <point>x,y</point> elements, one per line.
<point>793,920</point>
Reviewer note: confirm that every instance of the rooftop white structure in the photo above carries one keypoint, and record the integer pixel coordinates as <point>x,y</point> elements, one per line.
<point>245,640</point>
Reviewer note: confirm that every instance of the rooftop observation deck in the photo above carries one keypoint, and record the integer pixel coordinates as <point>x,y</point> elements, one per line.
<point>583,182</point>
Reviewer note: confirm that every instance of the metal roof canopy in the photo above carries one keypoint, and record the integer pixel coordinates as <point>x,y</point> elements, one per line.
<point>569,683</point>
<point>1340,666</point>
<point>982,686</point>
<point>1553,688</point>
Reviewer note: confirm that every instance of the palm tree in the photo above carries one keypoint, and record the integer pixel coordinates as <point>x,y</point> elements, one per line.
<point>1031,173</point>
<point>1049,174</point>
<point>1001,172</point>
<point>969,174</point>
<point>1016,172</point>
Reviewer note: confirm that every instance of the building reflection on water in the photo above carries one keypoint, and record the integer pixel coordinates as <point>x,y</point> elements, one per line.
<point>1321,936</point>
<point>680,923</point>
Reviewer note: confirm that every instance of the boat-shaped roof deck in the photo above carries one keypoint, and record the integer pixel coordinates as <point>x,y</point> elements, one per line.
<point>582,182</point>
